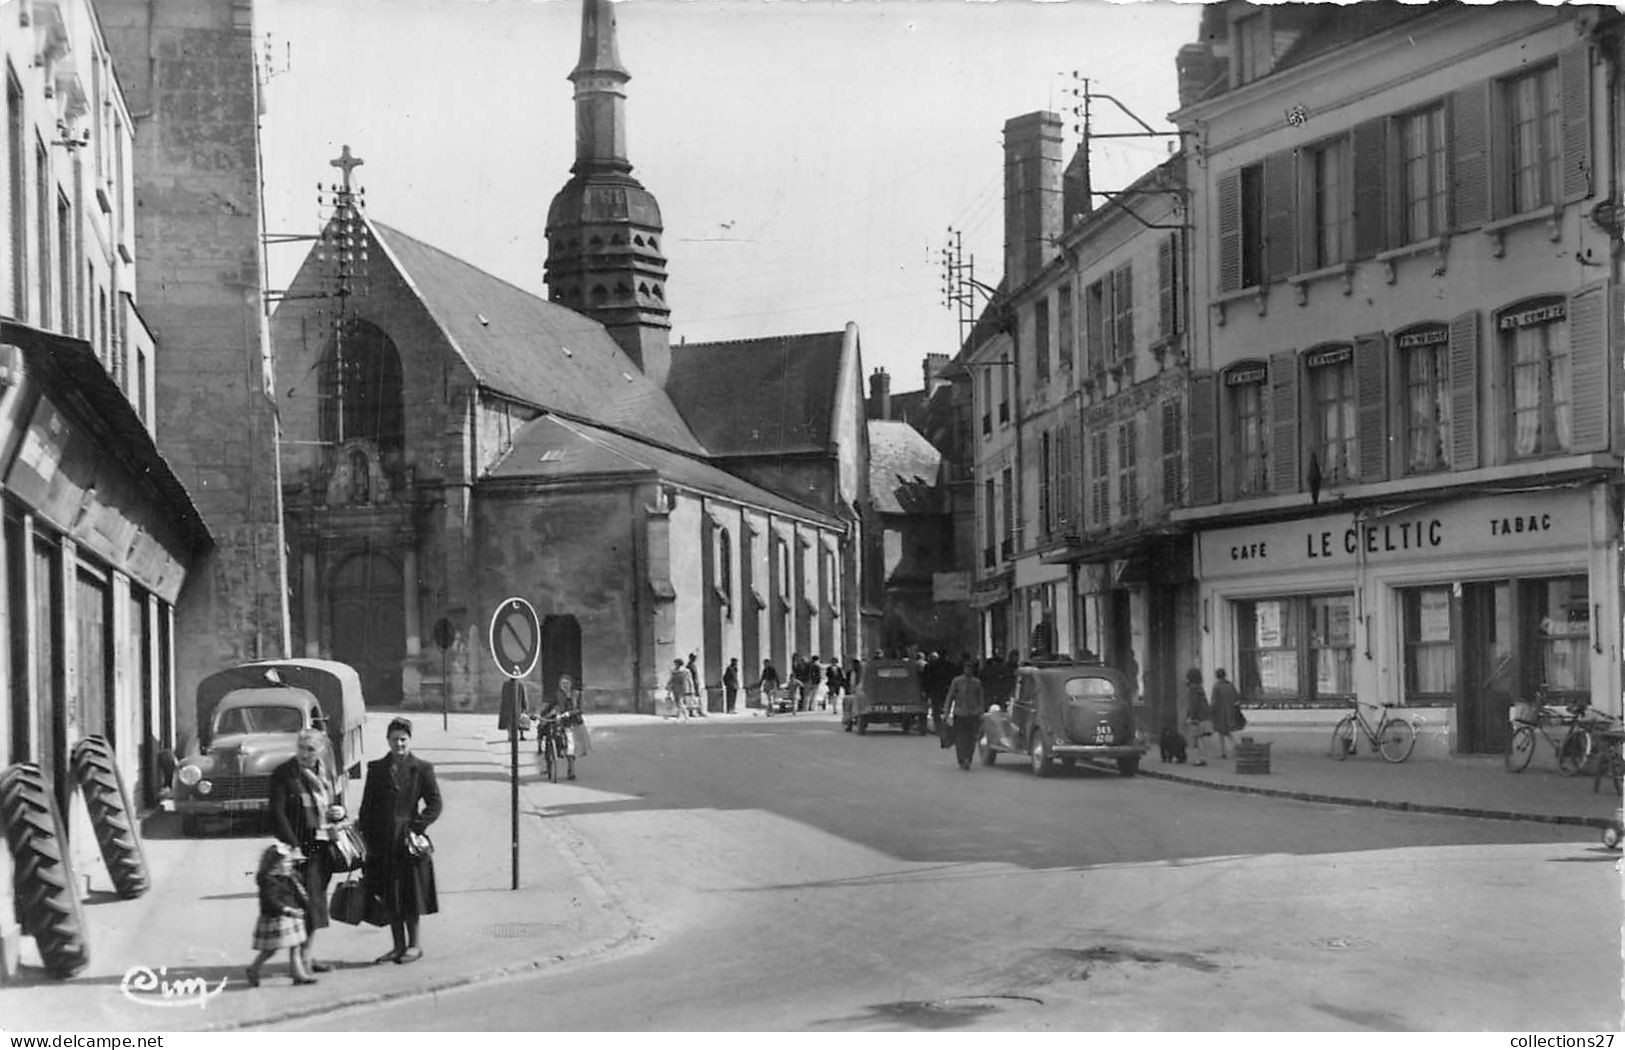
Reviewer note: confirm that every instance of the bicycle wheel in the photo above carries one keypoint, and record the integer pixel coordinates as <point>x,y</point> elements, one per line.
<point>551,760</point>
<point>1396,739</point>
<point>1574,752</point>
<point>1520,749</point>
<point>1343,738</point>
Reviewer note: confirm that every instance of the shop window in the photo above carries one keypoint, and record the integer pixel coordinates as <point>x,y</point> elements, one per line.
<point>1249,429</point>
<point>1560,610</point>
<point>1331,385</point>
<point>1425,364</point>
<point>1430,645</point>
<point>1535,349</point>
<point>1296,651</point>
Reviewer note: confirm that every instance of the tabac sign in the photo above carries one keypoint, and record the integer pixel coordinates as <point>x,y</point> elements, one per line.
<point>1503,525</point>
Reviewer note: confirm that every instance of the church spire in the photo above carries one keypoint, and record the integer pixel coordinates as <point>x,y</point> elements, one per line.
<point>603,228</point>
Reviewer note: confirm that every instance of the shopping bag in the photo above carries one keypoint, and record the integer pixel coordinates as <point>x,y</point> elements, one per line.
<point>346,849</point>
<point>349,903</point>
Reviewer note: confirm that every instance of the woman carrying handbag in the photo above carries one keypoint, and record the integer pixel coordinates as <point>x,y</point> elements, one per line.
<point>400,800</point>
<point>303,811</point>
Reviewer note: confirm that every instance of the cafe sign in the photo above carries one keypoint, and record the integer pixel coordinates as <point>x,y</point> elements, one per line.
<point>1504,526</point>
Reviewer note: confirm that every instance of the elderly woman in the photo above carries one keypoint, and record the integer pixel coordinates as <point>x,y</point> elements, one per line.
<point>302,808</point>
<point>401,797</point>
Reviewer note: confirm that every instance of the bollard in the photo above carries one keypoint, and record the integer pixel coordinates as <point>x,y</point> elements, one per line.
<point>1252,757</point>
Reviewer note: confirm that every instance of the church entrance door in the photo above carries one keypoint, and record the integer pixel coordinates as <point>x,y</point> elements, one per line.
<point>368,628</point>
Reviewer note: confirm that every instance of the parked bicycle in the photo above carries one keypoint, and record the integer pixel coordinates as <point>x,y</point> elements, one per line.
<point>1393,736</point>
<point>1609,758</point>
<point>1567,727</point>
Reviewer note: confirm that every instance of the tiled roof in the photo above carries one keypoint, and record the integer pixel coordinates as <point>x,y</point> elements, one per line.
<point>537,352</point>
<point>903,469</point>
<point>553,449</point>
<point>758,396</point>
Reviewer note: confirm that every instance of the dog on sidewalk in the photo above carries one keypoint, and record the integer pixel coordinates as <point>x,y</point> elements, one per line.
<point>1172,745</point>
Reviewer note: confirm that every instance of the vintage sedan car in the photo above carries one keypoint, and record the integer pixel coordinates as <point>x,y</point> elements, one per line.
<point>890,692</point>
<point>1065,711</point>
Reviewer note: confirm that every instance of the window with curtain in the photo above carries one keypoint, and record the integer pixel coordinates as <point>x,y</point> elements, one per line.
<point>1331,384</point>
<point>1423,175</point>
<point>1332,205</point>
<point>1562,612</point>
<point>1430,644</point>
<point>1249,429</point>
<point>1535,345</point>
<point>1533,116</point>
<point>1296,650</point>
<point>1425,364</point>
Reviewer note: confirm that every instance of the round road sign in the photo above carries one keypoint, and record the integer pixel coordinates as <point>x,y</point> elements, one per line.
<point>516,637</point>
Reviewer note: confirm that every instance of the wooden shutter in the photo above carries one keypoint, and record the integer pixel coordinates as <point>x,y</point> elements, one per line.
<point>1230,231</point>
<point>1166,319</point>
<point>1371,391</point>
<point>1464,391</point>
<point>1280,214</point>
<point>1589,386</point>
<point>1171,452</point>
<point>1124,340</point>
<point>1204,439</point>
<point>1370,188</point>
<point>1469,156</point>
<point>1283,409</point>
<point>1574,90</point>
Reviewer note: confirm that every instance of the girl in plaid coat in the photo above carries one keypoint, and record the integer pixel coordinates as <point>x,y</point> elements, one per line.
<point>282,914</point>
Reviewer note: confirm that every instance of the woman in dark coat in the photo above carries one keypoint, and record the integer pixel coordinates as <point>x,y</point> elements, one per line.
<point>397,785</point>
<point>302,804</point>
<point>1226,711</point>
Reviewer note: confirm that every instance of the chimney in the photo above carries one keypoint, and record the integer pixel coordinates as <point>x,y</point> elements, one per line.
<point>879,395</point>
<point>933,366</point>
<point>1197,67</point>
<point>1032,194</point>
<point>1076,198</point>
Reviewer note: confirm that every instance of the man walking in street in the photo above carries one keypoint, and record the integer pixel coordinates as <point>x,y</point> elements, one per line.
<point>964,709</point>
<point>730,685</point>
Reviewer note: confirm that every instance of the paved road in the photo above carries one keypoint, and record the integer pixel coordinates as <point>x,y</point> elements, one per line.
<point>786,876</point>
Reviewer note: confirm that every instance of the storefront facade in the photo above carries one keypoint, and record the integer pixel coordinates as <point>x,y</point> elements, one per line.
<point>1457,607</point>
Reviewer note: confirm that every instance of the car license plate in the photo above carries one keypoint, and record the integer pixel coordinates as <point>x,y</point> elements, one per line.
<point>1103,734</point>
<point>235,804</point>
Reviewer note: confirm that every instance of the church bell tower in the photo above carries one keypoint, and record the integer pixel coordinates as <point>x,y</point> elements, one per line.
<point>603,228</point>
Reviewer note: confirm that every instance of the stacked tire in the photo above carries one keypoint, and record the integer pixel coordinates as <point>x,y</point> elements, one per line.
<point>46,890</point>
<point>111,814</point>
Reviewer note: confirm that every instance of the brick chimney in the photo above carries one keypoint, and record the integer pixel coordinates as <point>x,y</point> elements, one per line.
<point>879,395</point>
<point>1032,194</point>
<point>933,366</point>
<point>1197,67</point>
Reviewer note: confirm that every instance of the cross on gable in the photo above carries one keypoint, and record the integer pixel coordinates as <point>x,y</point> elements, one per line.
<point>346,163</point>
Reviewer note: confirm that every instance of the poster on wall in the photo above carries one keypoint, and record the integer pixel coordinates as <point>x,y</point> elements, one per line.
<point>1435,616</point>
<point>1340,623</point>
<point>1278,673</point>
<point>1269,625</point>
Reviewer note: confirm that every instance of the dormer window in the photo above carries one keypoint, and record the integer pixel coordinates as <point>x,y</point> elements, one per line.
<point>1252,47</point>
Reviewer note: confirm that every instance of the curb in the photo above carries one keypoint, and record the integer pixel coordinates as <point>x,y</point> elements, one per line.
<point>1378,803</point>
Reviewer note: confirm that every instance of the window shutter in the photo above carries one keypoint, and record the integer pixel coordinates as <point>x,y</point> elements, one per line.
<point>1165,288</point>
<point>1125,311</point>
<point>1170,452</point>
<point>1464,391</point>
<point>1280,218</point>
<point>1204,439</point>
<point>1588,368</point>
<point>1574,88</point>
<point>1370,185</point>
<point>1284,422</point>
<point>1230,231</point>
<point>1469,156</point>
<point>1371,392</point>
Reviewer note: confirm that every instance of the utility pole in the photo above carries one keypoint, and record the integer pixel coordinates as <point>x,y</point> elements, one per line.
<point>959,283</point>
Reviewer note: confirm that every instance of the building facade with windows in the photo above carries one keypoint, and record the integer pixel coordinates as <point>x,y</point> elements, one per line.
<point>97,535</point>
<point>1405,421</point>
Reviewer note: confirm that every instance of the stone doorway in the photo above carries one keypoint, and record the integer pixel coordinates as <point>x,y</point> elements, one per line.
<point>367,625</point>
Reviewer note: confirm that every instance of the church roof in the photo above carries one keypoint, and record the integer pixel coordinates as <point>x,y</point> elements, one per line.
<point>550,448</point>
<point>520,345</point>
<point>759,396</point>
<point>903,469</point>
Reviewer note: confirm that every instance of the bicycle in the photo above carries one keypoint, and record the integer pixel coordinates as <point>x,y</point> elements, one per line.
<point>1610,759</point>
<point>550,744</point>
<point>1393,737</point>
<point>1574,747</point>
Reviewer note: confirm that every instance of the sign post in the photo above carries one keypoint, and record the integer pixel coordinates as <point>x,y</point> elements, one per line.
<point>515,636</point>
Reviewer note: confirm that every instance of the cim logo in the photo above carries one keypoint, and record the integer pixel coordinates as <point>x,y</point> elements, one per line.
<point>142,985</point>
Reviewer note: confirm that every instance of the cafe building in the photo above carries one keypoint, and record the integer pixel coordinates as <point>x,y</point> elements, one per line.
<point>1454,608</point>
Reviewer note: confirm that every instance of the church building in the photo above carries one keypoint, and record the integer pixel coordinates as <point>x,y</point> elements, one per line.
<point>453,440</point>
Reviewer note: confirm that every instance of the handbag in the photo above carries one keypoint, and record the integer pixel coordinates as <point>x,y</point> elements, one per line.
<point>349,903</point>
<point>346,849</point>
<point>945,729</point>
<point>418,845</point>
<point>1241,719</point>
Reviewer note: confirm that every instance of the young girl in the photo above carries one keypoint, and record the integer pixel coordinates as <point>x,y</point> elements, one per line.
<point>282,914</point>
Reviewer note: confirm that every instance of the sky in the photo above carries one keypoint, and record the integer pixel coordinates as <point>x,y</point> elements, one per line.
<point>809,156</point>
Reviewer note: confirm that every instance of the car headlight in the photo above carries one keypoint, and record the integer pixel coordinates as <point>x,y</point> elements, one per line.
<point>189,775</point>
<point>204,787</point>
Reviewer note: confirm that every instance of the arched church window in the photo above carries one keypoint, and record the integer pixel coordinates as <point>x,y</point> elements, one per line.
<point>361,389</point>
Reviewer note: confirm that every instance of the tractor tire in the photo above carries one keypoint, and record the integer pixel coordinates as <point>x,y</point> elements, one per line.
<point>111,814</point>
<point>47,900</point>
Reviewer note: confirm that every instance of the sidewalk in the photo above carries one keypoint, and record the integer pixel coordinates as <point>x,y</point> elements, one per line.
<point>197,921</point>
<point>1469,786</point>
